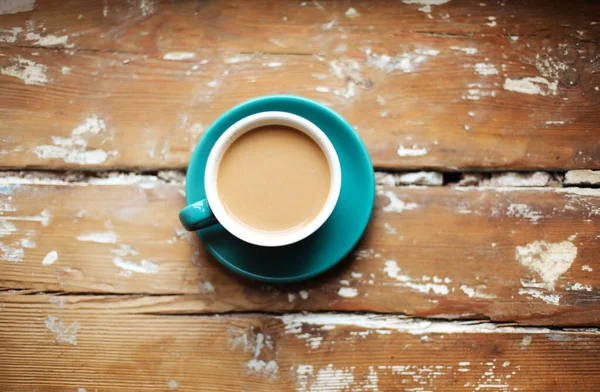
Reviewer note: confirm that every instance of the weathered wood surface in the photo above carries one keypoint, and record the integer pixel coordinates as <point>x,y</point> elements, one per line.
<point>499,85</point>
<point>507,254</point>
<point>96,344</point>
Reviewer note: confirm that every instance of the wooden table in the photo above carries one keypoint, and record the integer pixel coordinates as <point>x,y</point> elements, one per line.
<point>480,269</point>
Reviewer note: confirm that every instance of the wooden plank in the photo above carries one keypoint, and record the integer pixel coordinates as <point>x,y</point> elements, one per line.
<point>518,91</point>
<point>91,344</point>
<point>508,254</point>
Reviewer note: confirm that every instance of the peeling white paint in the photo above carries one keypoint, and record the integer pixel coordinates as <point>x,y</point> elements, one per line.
<point>11,254</point>
<point>582,177</point>
<point>43,217</point>
<point>413,151</point>
<point>524,211</point>
<point>47,41</point>
<point>30,72</point>
<point>74,149</point>
<point>178,56</point>
<point>50,258</point>
<point>145,266</point>
<point>536,179</point>
<point>10,35</point>
<point>586,267</point>
<point>548,260</point>
<point>295,322</point>
<point>61,333</point>
<point>173,384</point>
<point>396,205</point>
<point>531,85</point>
<point>579,287</point>
<point>109,237</point>
<point>16,6</point>
<point>420,178</point>
<point>552,299</point>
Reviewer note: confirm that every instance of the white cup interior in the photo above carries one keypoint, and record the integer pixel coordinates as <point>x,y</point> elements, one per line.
<point>234,225</point>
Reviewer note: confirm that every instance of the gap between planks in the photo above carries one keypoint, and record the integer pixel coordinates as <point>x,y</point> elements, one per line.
<point>483,179</point>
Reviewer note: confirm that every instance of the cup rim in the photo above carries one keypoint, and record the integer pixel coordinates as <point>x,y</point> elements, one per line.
<point>238,228</point>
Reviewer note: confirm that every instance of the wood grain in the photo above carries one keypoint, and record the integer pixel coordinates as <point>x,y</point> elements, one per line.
<point>507,254</point>
<point>434,84</point>
<point>90,343</point>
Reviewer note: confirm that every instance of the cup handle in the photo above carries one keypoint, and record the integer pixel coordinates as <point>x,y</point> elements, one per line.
<point>197,216</point>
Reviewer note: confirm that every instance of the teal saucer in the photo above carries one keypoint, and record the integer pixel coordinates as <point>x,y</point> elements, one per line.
<point>330,243</point>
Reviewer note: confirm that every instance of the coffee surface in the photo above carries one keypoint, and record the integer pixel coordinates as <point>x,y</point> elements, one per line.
<point>274,178</point>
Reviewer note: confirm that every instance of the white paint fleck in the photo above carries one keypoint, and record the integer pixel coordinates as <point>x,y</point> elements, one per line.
<point>586,267</point>
<point>513,38</point>
<point>475,293</point>
<point>65,70</point>
<point>177,56</point>
<point>524,211</point>
<point>405,62</point>
<point>50,258</point>
<point>347,292</point>
<point>240,58</point>
<point>579,287</point>
<point>492,21</point>
<point>277,42</point>
<point>548,260</point>
<point>6,228</point>
<point>419,178</point>
<point>207,288</point>
<point>63,334</point>
<point>81,390</point>
<point>351,13</point>
<point>466,127</point>
<point>396,205</point>
<point>145,266</point>
<point>555,122</point>
<point>47,41</point>
<point>109,237</point>
<point>356,275</point>
<point>147,7</point>
<point>16,6</point>
<point>332,379</point>
<point>27,242</point>
<point>28,71</point>
<point>426,5</point>
<point>173,384</point>
<point>322,89</point>
<point>535,85</point>
<point>469,51</point>
<point>393,271</point>
<point>274,64</point>
<point>43,217</point>
<point>12,254</point>
<point>413,151</point>
<point>485,69</point>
